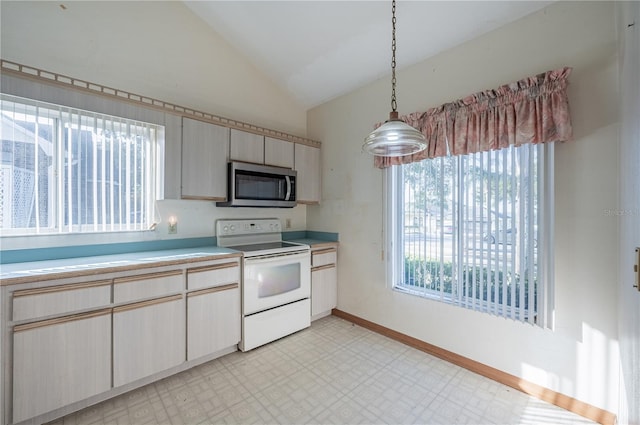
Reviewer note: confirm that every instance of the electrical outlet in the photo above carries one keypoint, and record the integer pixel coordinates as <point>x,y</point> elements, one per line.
<point>173,228</point>
<point>172,225</point>
<point>287,223</point>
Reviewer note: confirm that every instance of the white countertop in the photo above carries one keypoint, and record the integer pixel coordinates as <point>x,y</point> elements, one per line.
<point>53,269</point>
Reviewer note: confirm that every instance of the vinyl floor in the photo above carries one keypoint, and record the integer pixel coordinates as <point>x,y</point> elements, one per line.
<point>331,373</point>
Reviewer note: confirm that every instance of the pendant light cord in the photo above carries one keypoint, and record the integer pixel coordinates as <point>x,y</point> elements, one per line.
<point>394,104</point>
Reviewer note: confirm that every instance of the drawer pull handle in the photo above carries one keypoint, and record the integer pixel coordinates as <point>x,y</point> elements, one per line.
<point>147,276</point>
<point>213,267</point>
<point>213,290</point>
<point>148,303</point>
<point>326,266</point>
<point>59,320</point>
<point>60,288</point>
<point>324,251</point>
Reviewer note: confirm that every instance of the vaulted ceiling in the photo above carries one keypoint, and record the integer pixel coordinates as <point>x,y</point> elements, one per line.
<point>319,50</point>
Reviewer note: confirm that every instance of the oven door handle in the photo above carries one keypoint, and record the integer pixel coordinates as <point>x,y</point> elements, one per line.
<point>289,257</point>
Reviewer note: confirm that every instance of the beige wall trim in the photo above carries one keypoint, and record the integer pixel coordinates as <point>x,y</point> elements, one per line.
<point>212,290</point>
<point>61,288</point>
<point>60,320</point>
<point>571,404</point>
<point>213,267</point>
<point>29,72</point>
<point>147,276</point>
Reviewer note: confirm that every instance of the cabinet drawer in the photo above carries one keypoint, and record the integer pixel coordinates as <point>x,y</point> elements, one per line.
<point>150,285</point>
<point>63,299</point>
<point>323,257</point>
<point>214,275</point>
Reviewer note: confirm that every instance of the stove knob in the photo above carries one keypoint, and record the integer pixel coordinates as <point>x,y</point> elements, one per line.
<point>225,229</point>
<point>233,228</point>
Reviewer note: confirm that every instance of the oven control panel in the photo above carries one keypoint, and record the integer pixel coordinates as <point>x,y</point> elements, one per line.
<point>241,227</point>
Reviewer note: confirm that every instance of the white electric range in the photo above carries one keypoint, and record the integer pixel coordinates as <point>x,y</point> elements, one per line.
<point>276,279</point>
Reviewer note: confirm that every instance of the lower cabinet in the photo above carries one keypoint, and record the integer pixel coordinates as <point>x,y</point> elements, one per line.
<point>71,340</point>
<point>324,282</point>
<point>213,320</point>
<point>60,361</point>
<point>148,337</point>
<point>324,290</point>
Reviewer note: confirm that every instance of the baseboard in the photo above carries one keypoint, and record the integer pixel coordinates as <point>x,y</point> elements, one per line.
<point>568,403</point>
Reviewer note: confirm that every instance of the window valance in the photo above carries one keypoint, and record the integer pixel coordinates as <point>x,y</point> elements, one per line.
<point>531,110</point>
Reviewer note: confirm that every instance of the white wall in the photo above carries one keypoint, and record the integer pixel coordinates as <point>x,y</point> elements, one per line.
<point>156,49</point>
<point>580,357</point>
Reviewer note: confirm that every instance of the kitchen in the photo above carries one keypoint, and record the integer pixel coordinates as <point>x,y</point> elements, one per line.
<point>351,204</point>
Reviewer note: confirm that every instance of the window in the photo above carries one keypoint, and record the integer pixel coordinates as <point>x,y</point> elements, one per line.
<point>64,170</point>
<point>472,230</point>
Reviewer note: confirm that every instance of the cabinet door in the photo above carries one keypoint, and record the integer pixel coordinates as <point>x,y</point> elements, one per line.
<point>148,337</point>
<point>278,152</point>
<point>60,361</point>
<point>205,152</point>
<point>324,289</point>
<point>213,320</point>
<point>247,147</point>
<point>307,163</point>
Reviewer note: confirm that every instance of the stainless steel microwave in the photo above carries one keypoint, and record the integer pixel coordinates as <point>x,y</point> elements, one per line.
<point>255,185</point>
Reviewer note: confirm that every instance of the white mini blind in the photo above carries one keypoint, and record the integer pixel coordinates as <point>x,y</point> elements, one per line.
<point>469,230</point>
<point>76,171</point>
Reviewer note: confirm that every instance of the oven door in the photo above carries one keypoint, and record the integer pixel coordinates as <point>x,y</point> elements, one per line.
<point>276,279</point>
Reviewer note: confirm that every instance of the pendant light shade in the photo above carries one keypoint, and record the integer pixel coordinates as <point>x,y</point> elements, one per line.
<point>394,137</point>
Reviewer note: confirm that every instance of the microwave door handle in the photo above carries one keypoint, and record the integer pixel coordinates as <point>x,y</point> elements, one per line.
<point>288,195</point>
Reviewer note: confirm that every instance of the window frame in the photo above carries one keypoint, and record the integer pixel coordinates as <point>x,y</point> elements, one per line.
<point>73,116</point>
<point>394,244</point>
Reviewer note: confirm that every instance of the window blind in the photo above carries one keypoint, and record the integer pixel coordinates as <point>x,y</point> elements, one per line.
<point>470,230</point>
<point>75,171</point>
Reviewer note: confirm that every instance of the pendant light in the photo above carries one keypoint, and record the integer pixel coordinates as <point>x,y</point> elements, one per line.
<point>394,137</point>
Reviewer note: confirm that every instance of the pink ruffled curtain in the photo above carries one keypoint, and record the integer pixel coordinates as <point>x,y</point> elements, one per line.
<point>532,110</point>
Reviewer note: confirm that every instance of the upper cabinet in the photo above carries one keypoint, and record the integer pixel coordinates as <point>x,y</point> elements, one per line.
<point>207,148</point>
<point>278,152</point>
<point>249,147</point>
<point>246,147</point>
<point>307,164</point>
<point>205,152</point>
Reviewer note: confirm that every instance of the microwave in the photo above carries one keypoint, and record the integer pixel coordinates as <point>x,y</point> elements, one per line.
<point>256,185</point>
